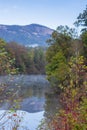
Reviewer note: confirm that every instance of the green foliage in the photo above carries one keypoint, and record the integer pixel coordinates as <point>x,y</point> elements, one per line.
<point>39,60</point>
<point>84,38</point>
<point>6,63</point>
<point>67,67</point>
<point>57,70</point>
<point>61,41</point>
<point>73,115</point>
<point>82,19</point>
<point>77,70</point>
<point>59,53</point>
<point>68,32</point>
<point>84,41</point>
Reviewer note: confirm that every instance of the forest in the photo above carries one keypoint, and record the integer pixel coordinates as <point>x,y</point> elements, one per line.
<point>66,70</point>
<point>65,61</point>
<point>24,59</point>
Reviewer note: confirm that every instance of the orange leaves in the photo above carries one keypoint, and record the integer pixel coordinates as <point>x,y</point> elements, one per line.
<point>14,114</point>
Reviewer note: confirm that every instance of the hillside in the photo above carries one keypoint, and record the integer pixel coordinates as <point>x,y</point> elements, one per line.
<point>28,35</point>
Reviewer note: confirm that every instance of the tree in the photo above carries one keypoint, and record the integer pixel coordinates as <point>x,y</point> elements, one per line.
<point>28,60</point>
<point>84,43</point>
<point>59,53</point>
<point>73,112</point>
<point>57,69</point>
<point>39,60</point>
<point>82,19</point>
<point>6,63</point>
<point>18,52</point>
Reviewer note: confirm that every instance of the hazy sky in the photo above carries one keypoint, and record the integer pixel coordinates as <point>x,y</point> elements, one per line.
<point>51,13</point>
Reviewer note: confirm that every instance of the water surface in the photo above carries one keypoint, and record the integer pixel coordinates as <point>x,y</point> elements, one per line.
<point>29,89</point>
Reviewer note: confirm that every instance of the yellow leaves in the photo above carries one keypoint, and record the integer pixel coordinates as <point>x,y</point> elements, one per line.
<point>74,93</point>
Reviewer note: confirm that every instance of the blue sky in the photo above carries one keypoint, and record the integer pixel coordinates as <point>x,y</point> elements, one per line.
<point>51,13</point>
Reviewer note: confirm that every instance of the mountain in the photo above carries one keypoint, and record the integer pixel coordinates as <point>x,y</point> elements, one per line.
<point>28,35</point>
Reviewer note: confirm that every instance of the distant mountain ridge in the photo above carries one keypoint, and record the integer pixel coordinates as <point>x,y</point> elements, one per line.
<point>27,35</point>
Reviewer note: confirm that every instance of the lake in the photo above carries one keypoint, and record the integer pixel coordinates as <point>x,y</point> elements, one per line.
<point>29,93</point>
<point>30,89</point>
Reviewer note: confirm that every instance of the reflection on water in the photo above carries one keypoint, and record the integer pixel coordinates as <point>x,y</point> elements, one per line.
<point>52,104</point>
<point>33,98</point>
<point>32,93</point>
<point>30,89</point>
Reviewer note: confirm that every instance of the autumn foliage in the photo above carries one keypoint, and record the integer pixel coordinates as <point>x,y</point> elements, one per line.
<point>73,115</point>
